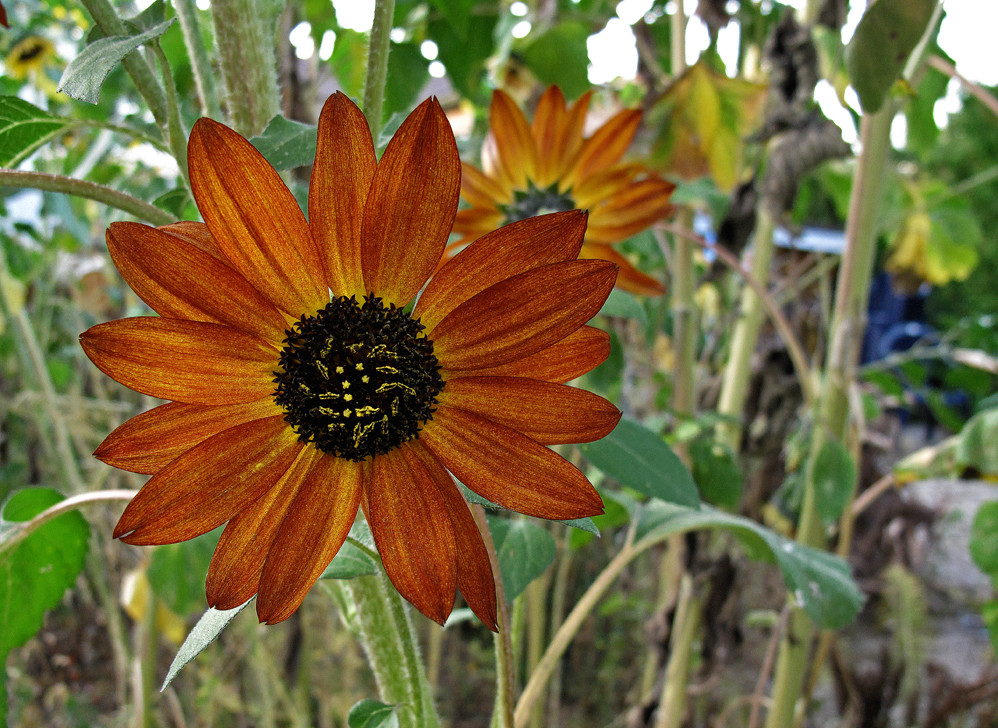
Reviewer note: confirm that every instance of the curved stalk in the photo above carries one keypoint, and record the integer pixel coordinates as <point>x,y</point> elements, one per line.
<point>377,64</point>
<point>26,528</point>
<point>89,190</point>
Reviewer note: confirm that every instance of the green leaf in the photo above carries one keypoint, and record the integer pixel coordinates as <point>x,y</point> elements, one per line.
<point>524,550</point>
<point>86,73</point>
<point>614,515</point>
<point>350,562</point>
<point>457,13</point>
<point>464,56</point>
<point>886,35</point>
<point>36,571</point>
<point>834,480</point>
<point>560,56</point>
<point>287,144</point>
<point>177,572</point>
<point>210,625</point>
<point>408,70</point>
<point>349,61</point>
<point>716,473</point>
<point>820,582</point>
<point>977,446</point>
<point>624,305</point>
<point>24,128</point>
<point>372,714</point>
<point>989,614</point>
<point>984,539</point>
<point>640,459</point>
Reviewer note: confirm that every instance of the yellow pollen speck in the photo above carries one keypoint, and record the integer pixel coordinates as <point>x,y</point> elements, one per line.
<point>347,397</point>
<point>346,384</point>
<point>346,413</point>
<point>359,366</point>
<point>365,379</point>
<point>339,370</point>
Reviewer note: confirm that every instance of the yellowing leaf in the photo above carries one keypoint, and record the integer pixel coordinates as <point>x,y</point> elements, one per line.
<point>701,121</point>
<point>135,595</point>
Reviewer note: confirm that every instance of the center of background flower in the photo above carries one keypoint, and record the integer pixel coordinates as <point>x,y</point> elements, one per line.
<point>534,201</point>
<point>357,379</point>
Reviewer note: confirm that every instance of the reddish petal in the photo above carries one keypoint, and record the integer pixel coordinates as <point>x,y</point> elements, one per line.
<point>474,570</point>
<point>413,532</point>
<point>569,139</point>
<point>522,315</point>
<point>210,483</point>
<point>152,440</point>
<point>234,573</point>
<point>179,280</point>
<point>196,233</point>
<point>605,147</point>
<point>546,129</point>
<point>410,210</point>
<point>316,525</point>
<point>480,190</point>
<point>186,361</point>
<point>498,255</point>
<point>629,278</point>
<point>509,468</point>
<point>513,140</point>
<point>341,179</point>
<point>550,413</point>
<point>255,219</point>
<point>579,352</point>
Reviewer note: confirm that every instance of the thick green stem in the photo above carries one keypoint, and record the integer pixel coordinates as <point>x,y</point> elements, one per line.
<point>685,627</point>
<point>390,643</point>
<point>832,420</point>
<point>135,64</point>
<point>377,64</point>
<point>187,14</point>
<point>175,134</point>
<point>90,190</point>
<point>737,373</point>
<point>244,34</point>
<point>559,598</point>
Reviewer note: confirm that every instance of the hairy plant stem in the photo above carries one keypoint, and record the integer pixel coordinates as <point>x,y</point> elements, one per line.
<point>135,64</point>
<point>390,642</point>
<point>832,417</point>
<point>176,136</point>
<point>503,639</point>
<point>187,14</point>
<point>378,51</point>
<point>244,35</point>
<point>89,190</point>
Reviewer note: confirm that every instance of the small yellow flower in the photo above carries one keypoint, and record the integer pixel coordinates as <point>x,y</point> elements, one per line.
<point>29,57</point>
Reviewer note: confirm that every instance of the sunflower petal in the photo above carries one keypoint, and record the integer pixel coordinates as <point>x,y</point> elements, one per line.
<point>316,525</point>
<point>569,138</point>
<point>498,255</point>
<point>197,234</point>
<point>179,280</point>
<point>410,210</point>
<point>210,483</point>
<point>413,532</point>
<point>513,140</point>
<point>579,352</point>
<point>552,414</point>
<point>546,129</point>
<point>255,219</point>
<point>522,315</point>
<point>605,147</point>
<point>341,179</point>
<point>480,190</point>
<point>186,361</point>
<point>507,467</point>
<point>234,572</point>
<point>629,278</point>
<point>153,439</point>
<point>474,569</point>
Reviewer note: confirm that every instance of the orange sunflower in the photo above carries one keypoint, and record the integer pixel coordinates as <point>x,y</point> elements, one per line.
<point>547,166</point>
<point>303,386</point>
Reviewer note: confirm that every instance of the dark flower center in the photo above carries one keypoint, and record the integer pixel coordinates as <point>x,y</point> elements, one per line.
<point>357,380</point>
<point>535,201</point>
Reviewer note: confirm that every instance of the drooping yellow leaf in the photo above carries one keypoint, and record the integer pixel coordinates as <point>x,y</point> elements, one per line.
<point>701,123</point>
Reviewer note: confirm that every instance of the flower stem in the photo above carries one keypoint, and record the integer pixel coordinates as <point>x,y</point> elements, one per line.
<point>390,642</point>
<point>90,190</point>
<point>25,529</point>
<point>187,15</point>
<point>377,64</point>
<point>244,34</point>
<point>176,136</point>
